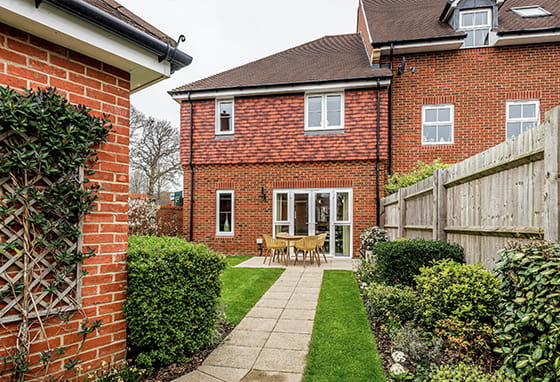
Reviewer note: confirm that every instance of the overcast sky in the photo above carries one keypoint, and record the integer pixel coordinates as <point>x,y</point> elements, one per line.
<point>223,34</point>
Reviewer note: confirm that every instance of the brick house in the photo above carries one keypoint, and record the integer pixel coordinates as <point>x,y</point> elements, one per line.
<point>96,53</point>
<point>302,141</point>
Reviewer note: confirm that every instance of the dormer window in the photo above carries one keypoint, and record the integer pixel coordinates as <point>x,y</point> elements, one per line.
<point>532,11</point>
<point>477,24</point>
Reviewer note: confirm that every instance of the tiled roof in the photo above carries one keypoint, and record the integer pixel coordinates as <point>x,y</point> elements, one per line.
<point>508,20</point>
<point>398,20</point>
<point>329,58</point>
<point>117,10</point>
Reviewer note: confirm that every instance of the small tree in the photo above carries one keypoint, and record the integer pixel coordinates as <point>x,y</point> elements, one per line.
<point>154,154</point>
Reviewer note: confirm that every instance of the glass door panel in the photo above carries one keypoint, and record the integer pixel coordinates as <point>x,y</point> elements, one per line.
<point>342,241</point>
<point>323,216</point>
<point>342,207</point>
<point>301,214</point>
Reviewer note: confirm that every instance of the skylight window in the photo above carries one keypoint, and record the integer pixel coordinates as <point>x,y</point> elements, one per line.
<point>532,11</point>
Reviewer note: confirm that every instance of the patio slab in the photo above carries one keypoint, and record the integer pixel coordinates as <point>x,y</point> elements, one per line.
<point>290,341</point>
<point>228,374</point>
<point>239,357</point>
<point>270,376</point>
<point>298,314</point>
<point>249,338</point>
<point>265,312</point>
<point>291,361</point>
<point>294,326</point>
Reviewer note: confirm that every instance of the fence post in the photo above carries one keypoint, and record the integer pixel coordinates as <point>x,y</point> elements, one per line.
<point>402,213</point>
<point>439,216</point>
<point>552,174</point>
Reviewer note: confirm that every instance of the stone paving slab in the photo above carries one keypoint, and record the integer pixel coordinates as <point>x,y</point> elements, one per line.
<point>270,376</point>
<point>271,343</point>
<point>228,374</point>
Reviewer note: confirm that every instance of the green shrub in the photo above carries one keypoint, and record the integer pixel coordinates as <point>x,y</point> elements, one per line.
<point>470,340</point>
<point>399,261</point>
<point>420,346</point>
<point>367,271</point>
<point>421,171</point>
<point>172,304</point>
<point>463,372</point>
<point>449,289</point>
<point>528,326</point>
<point>386,303</point>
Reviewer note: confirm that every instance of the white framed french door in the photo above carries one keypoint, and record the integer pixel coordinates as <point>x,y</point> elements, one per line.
<point>315,211</point>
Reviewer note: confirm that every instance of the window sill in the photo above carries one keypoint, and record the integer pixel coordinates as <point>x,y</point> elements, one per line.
<point>437,143</point>
<point>324,131</point>
<point>224,136</point>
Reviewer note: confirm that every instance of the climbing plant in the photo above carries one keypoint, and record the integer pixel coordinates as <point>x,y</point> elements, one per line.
<point>46,145</point>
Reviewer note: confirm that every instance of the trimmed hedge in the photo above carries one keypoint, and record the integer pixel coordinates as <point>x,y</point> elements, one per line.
<point>173,291</point>
<point>528,327</point>
<point>385,303</point>
<point>399,261</point>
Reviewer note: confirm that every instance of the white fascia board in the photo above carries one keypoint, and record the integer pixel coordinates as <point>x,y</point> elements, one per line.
<point>422,47</point>
<point>523,39</point>
<point>271,90</point>
<point>59,27</point>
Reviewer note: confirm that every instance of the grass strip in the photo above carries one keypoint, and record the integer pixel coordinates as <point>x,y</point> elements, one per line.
<point>342,346</point>
<point>243,287</point>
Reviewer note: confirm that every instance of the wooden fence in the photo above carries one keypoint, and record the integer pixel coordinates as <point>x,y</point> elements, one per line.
<point>509,192</point>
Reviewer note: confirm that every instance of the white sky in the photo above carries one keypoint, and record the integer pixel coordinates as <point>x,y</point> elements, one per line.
<point>223,34</point>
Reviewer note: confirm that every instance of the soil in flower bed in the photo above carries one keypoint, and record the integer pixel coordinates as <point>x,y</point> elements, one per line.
<point>176,370</point>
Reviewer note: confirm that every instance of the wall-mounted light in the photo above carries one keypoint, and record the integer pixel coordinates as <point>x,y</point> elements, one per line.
<point>262,195</point>
<point>401,68</point>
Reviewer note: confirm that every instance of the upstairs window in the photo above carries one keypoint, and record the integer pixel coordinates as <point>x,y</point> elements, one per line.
<point>521,116</point>
<point>324,111</point>
<point>224,117</point>
<point>477,24</point>
<point>437,124</point>
<point>531,11</point>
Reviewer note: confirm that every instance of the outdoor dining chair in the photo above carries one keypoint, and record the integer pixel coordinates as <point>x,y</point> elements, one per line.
<point>277,249</point>
<point>308,246</point>
<point>321,246</point>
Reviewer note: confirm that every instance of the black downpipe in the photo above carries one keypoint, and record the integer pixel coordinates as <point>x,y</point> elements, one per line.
<point>378,158</point>
<point>191,168</point>
<point>390,117</point>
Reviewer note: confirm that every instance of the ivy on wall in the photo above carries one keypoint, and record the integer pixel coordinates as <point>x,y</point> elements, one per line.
<point>45,145</point>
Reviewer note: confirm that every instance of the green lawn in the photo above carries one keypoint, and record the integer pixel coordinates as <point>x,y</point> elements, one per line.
<point>243,287</point>
<point>342,346</point>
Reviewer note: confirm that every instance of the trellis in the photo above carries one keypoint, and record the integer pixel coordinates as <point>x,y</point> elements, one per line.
<point>44,267</point>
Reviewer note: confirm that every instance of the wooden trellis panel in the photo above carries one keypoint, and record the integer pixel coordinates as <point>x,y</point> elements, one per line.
<point>66,297</point>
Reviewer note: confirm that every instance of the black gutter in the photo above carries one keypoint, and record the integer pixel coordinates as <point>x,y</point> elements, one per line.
<point>191,168</point>
<point>529,31</point>
<point>444,15</point>
<point>417,40</point>
<point>378,158</point>
<point>265,86</point>
<point>93,15</point>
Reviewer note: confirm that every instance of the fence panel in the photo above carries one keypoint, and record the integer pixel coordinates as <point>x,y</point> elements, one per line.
<point>509,192</point>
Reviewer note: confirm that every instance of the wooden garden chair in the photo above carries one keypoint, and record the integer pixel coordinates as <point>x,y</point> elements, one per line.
<point>308,246</point>
<point>276,249</point>
<point>321,246</point>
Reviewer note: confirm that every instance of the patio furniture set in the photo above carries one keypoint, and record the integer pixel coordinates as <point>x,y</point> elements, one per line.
<point>278,248</point>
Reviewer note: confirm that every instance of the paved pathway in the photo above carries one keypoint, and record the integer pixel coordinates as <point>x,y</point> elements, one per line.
<point>271,342</point>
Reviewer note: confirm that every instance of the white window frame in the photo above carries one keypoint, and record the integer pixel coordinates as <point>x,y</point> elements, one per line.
<point>487,26</point>
<point>218,121</point>
<point>519,11</point>
<point>232,223</point>
<point>324,110</point>
<point>536,102</point>
<point>452,122</point>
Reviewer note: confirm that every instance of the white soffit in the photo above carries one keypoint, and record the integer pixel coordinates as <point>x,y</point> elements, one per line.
<point>56,26</point>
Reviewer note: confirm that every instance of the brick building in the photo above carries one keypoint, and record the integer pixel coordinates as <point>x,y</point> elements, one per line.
<point>96,53</point>
<point>302,141</point>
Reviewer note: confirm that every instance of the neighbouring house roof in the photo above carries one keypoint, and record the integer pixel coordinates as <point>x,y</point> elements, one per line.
<point>330,58</point>
<point>509,21</point>
<point>407,20</point>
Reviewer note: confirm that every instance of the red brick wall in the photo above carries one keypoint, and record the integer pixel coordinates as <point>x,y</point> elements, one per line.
<point>27,61</point>
<point>478,82</point>
<point>253,216</point>
<point>271,130</point>
<point>170,221</point>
